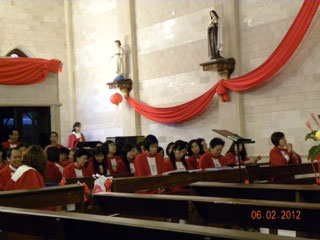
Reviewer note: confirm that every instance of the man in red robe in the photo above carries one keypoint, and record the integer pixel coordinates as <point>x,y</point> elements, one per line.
<point>213,158</point>
<point>15,161</point>
<point>78,169</point>
<point>12,141</point>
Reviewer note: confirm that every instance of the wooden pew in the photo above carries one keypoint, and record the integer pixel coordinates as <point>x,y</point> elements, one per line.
<point>275,192</point>
<point>202,210</point>
<point>44,197</point>
<point>65,225</point>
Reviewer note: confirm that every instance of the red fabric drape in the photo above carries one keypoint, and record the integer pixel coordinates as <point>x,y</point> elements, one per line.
<point>23,71</point>
<point>258,76</point>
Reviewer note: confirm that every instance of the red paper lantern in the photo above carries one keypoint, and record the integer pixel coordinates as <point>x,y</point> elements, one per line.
<point>116,98</point>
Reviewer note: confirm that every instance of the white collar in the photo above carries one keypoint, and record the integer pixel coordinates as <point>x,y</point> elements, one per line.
<point>20,171</point>
<point>12,168</point>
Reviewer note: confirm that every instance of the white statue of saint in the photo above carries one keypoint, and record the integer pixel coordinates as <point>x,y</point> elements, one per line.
<point>215,36</point>
<point>119,62</point>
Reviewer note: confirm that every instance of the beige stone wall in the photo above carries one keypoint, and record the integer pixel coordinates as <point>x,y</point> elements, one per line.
<point>285,101</point>
<point>37,28</point>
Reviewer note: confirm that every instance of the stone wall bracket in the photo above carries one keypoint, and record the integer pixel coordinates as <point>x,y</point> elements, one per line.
<point>224,66</point>
<point>125,86</point>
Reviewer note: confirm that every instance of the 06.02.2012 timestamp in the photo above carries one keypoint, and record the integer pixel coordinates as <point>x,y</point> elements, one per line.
<point>276,214</point>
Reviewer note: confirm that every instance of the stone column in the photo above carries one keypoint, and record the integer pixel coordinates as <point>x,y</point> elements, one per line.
<point>231,113</point>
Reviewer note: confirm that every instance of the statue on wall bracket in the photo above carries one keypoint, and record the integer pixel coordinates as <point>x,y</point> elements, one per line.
<point>215,36</point>
<point>119,62</point>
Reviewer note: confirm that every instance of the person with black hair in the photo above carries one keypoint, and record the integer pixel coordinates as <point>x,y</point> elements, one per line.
<point>129,153</point>
<point>150,162</point>
<point>78,169</point>
<point>194,151</point>
<point>232,155</point>
<point>176,160</point>
<point>213,158</point>
<point>14,162</point>
<point>30,174</point>
<point>203,145</point>
<point>115,164</point>
<point>76,136</point>
<point>23,147</point>
<point>169,148</point>
<point>53,170</point>
<point>13,140</point>
<point>53,141</point>
<point>99,163</point>
<point>64,156</point>
<point>160,151</point>
<point>282,153</point>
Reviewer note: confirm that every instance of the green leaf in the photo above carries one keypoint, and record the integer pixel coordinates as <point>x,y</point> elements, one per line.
<point>313,152</point>
<point>308,136</point>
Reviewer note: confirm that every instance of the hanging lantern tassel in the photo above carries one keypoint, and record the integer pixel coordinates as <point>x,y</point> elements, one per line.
<point>116,98</point>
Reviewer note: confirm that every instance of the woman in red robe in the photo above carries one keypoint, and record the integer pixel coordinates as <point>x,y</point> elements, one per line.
<point>30,174</point>
<point>213,158</point>
<point>194,151</point>
<point>54,169</point>
<point>79,168</point>
<point>53,141</point>
<point>99,163</point>
<point>76,136</point>
<point>115,164</point>
<point>232,156</point>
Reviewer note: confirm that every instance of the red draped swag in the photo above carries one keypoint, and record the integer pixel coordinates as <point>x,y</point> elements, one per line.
<point>272,65</point>
<point>23,71</point>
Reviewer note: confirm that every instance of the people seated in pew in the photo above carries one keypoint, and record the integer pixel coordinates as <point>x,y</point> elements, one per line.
<point>169,148</point>
<point>23,147</point>
<point>64,157</point>
<point>115,164</point>
<point>53,141</point>
<point>129,153</point>
<point>30,174</point>
<point>160,151</point>
<point>54,169</point>
<point>99,163</point>
<point>213,158</point>
<point>282,153</point>
<point>13,140</point>
<point>79,168</point>
<point>150,162</point>
<point>232,155</point>
<point>194,152</point>
<point>176,160</point>
<point>203,144</point>
<point>76,136</point>
<point>15,161</point>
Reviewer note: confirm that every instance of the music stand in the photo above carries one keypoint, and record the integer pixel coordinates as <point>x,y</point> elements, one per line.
<point>237,140</point>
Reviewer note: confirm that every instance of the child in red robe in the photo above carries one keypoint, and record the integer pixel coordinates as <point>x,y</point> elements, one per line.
<point>54,169</point>
<point>213,158</point>
<point>282,153</point>
<point>150,162</point>
<point>14,157</point>
<point>232,155</point>
<point>30,174</point>
<point>115,164</point>
<point>195,151</point>
<point>129,153</point>
<point>99,163</point>
<point>79,168</point>
<point>76,136</point>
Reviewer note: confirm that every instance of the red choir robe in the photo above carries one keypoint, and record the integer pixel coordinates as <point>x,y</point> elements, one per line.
<point>207,161</point>
<point>29,179</point>
<point>73,140</point>
<point>72,171</point>
<point>8,144</point>
<point>5,175</point>
<point>233,159</point>
<point>194,160</point>
<point>168,166</point>
<point>116,165</point>
<point>65,163</point>
<point>280,156</point>
<point>52,171</point>
<point>3,165</point>
<point>142,167</point>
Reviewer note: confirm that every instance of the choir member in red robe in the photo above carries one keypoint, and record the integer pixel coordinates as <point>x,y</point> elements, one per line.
<point>71,155</point>
<point>282,153</point>
<point>195,152</point>
<point>115,164</point>
<point>176,160</point>
<point>149,162</point>
<point>64,156</point>
<point>203,144</point>
<point>232,156</point>
<point>213,158</point>
<point>54,168</point>
<point>129,153</point>
<point>23,147</point>
<point>30,174</point>
<point>76,136</point>
<point>169,148</point>
<point>79,168</point>
<point>12,141</point>
<point>14,157</point>
<point>53,141</point>
<point>99,163</point>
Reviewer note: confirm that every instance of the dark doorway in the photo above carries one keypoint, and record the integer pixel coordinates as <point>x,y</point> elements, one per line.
<point>33,123</point>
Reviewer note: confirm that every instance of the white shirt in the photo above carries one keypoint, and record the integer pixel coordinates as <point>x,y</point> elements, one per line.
<point>114,164</point>
<point>216,163</point>
<point>79,173</point>
<point>180,166</point>
<point>132,168</point>
<point>152,165</point>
